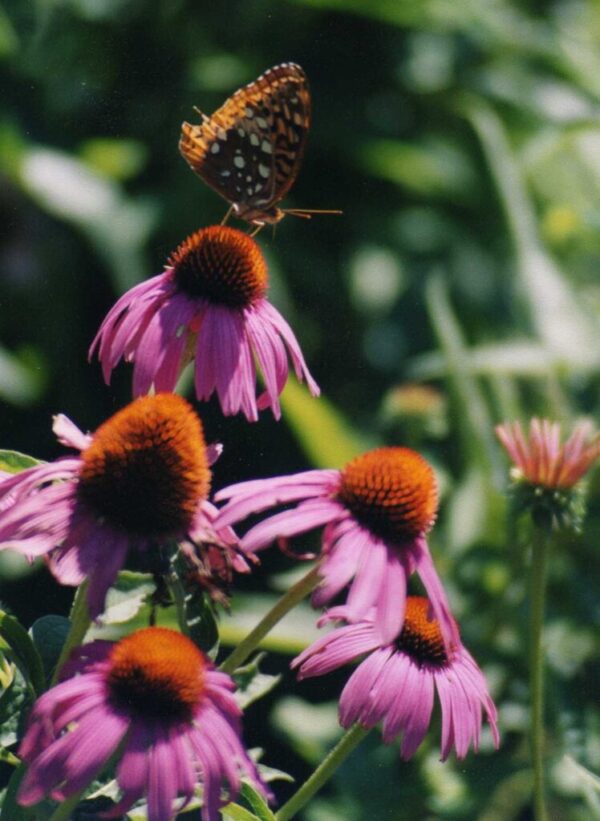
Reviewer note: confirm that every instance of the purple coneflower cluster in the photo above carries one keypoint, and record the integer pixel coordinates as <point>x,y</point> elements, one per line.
<point>140,486</point>
<point>375,515</point>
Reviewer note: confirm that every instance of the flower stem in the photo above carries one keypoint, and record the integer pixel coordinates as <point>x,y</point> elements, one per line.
<point>539,563</point>
<point>286,603</point>
<point>64,811</point>
<point>80,622</point>
<point>323,773</point>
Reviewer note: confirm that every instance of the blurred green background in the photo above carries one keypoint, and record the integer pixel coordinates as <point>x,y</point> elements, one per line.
<point>461,138</point>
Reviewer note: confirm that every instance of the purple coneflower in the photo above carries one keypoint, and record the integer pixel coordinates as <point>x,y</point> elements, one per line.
<point>396,683</point>
<point>209,304</point>
<point>156,699</point>
<point>542,459</point>
<point>376,512</point>
<point>141,481</point>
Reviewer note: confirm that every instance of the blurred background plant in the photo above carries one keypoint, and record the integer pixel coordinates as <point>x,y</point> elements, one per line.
<point>462,141</point>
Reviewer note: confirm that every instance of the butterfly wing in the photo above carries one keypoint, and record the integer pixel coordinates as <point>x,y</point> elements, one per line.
<point>250,150</point>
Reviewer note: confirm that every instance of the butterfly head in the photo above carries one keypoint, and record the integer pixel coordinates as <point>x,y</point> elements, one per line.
<point>258,216</point>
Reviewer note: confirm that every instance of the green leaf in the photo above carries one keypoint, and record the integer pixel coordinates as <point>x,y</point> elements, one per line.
<point>127,596</point>
<point>117,159</point>
<point>49,634</point>
<point>475,422</point>
<point>26,654</point>
<point>291,635</point>
<point>201,622</point>
<point>69,190</point>
<point>197,609</point>
<point>12,461</point>
<point>257,803</point>
<point>13,704</point>
<point>310,729</point>
<point>22,378</point>
<point>252,684</point>
<point>237,813</point>
<point>326,437</point>
<point>431,168</point>
<point>562,323</point>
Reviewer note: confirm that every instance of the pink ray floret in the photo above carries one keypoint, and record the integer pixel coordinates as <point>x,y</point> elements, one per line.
<point>160,326</point>
<point>373,568</point>
<point>395,685</point>
<point>541,459</point>
<point>77,727</point>
<point>42,514</point>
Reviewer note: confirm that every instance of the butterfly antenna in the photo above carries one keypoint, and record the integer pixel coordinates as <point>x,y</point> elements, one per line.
<point>307,213</point>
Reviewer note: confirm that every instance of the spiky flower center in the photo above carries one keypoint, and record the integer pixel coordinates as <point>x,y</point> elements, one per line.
<point>146,468</point>
<point>390,491</point>
<point>157,673</point>
<point>421,637</point>
<point>222,265</point>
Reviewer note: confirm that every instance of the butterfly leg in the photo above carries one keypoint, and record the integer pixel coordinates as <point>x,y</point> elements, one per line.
<point>227,215</point>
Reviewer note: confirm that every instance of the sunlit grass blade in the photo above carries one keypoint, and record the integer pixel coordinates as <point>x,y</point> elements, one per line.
<point>327,438</point>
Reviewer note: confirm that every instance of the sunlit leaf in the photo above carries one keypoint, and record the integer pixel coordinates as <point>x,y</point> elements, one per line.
<point>26,654</point>
<point>561,322</point>
<point>432,168</point>
<point>12,461</point>
<point>69,190</point>
<point>116,159</point>
<point>127,596</point>
<point>290,636</point>
<point>311,729</point>
<point>321,430</point>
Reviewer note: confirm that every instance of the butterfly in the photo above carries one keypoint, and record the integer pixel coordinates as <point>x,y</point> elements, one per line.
<point>250,150</point>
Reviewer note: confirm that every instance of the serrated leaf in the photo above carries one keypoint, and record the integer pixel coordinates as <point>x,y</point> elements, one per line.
<point>49,634</point>
<point>26,654</point>
<point>127,596</point>
<point>12,461</point>
<point>252,684</point>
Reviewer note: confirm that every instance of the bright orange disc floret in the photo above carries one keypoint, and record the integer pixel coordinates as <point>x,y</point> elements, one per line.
<point>391,491</point>
<point>157,672</point>
<point>222,265</point>
<point>421,636</point>
<point>147,468</point>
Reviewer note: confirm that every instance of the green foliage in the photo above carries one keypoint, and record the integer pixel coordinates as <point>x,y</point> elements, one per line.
<point>461,141</point>
<point>13,462</point>
<point>252,684</point>
<point>48,634</point>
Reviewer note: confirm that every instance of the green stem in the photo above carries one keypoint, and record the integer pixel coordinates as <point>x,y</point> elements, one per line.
<point>64,810</point>
<point>539,562</point>
<point>286,603</point>
<point>323,773</point>
<point>80,622</point>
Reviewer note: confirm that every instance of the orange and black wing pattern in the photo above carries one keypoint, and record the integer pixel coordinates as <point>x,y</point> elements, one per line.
<point>250,150</point>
